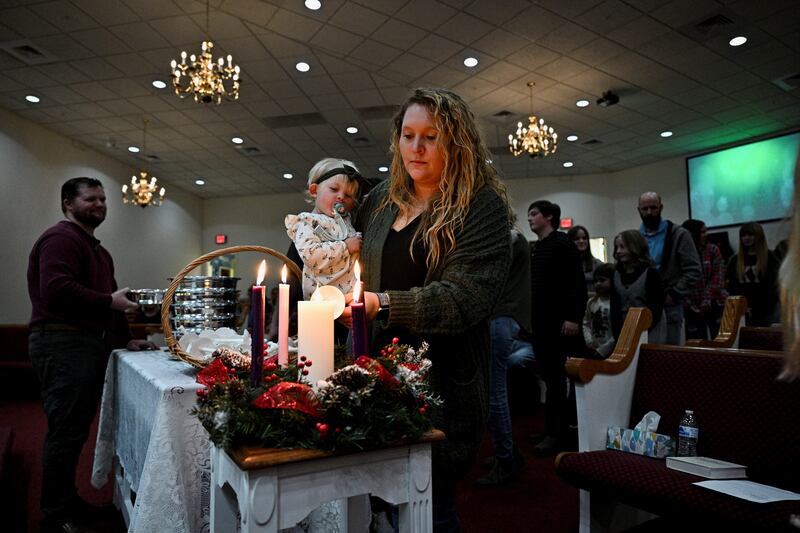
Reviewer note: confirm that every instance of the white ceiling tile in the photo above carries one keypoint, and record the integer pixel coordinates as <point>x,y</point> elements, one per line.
<point>497,13</point>
<point>296,105</point>
<point>399,34</point>
<point>502,72</point>
<point>375,53</point>
<point>126,89</point>
<point>566,38</point>
<point>328,102</point>
<point>140,35</point>
<point>63,72</point>
<point>121,107</point>
<point>436,48</point>
<point>26,22</point>
<point>180,31</point>
<point>563,68</point>
<point>293,25</point>
<point>428,14</point>
<point>358,19</point>
<point>678,13</point>
<point>366,98</point>
<point>64,15</point>
<point>638,32</point>
<point>607,16</point>
<point>253,11</point>
<point>336,40</point>
<point>464,29</point>
<point>64,47</point>
<point>107,12</point>
<point>62,94</point>
<point>409,66</point>
<point>534,23</point>
<point>500,43</point>
<point>30,77</point>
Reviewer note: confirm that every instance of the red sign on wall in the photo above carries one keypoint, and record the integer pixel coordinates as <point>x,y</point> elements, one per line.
<point>566,223</point>
<point>220,238</point>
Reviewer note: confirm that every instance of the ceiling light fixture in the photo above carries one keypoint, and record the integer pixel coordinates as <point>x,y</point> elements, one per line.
<point>471,62</point>
<point>237,140</point>
<point>572,138</point>
<point>666,134</point>
<point>567,164</point>
<point>582,103</point>
<point>607,99</point>
<point>352,129</point>
<point>537,139</point>
<point>206,80</point>
<point>133,149</point>
<point>287,176</point>
<point>158,84</point>
<point>33,99</point>
<point>738,41</point>
<point>199,182</point>
<point>313,5</point>
<point>383,169</point>
<point>302,66</point>
<point>143,192</point>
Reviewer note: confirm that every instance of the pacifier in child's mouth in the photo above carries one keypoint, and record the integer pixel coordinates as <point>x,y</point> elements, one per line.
<point>340,208</point>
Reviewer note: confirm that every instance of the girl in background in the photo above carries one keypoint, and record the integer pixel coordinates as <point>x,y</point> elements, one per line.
<point>753,273</point>
<point>703,306</point>
<point>637,283</point>
<point>580,236</point>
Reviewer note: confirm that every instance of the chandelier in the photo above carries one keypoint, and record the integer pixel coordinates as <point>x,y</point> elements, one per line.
<point>205,79</point>
<point>142,192</point>
<point>537,139</point>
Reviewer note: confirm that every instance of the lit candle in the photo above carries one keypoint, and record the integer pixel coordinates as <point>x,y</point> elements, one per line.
<point>283,320</point>
<point>315,337</point>
<point>257,327</point>
<point>360,344</point>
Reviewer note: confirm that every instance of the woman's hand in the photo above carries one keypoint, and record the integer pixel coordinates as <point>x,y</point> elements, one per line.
<point>371,305</point>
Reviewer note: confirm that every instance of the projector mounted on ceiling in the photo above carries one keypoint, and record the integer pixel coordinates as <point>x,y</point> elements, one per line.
<point>607,99</point>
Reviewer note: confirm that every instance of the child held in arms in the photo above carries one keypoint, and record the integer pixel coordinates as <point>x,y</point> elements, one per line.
<point>325,238</point>
<point>597,320</point>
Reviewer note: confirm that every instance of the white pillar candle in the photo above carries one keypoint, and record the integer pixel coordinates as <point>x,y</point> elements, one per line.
<point>283,320</point>
<point>315,338</point>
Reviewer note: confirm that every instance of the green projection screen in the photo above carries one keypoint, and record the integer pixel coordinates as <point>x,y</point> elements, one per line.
<point>749,182</point>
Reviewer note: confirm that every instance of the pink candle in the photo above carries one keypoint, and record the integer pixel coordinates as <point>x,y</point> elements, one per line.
<point>360,343</point>
<point>257,327</point>
<point>283,320</point>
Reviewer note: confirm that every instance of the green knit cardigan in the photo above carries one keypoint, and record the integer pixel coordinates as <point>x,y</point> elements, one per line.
<point>451,311</point>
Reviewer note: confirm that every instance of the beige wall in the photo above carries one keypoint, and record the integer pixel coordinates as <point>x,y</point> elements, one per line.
<point>148,245</point>
<point>152,244</point>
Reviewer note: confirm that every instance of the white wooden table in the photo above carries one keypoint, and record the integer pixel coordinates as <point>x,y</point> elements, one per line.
<point>271,489</point>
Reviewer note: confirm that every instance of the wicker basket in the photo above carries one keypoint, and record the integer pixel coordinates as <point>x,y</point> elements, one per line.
<point>169,338</point>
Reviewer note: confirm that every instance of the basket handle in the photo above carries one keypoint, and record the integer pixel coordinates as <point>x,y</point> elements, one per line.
<point>169,338</point>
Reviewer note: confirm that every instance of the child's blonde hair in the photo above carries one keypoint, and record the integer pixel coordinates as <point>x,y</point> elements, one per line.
<point>326,165</point>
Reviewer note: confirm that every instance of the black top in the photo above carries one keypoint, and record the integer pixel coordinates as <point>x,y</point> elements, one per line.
<point>760,288</point>
<point>558,287</point>
<point>653,296</point>
<point>401,272</point>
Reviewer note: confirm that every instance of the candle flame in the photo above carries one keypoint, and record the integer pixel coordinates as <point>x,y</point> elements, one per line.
<point>262,271</point>
<point>317,295</point>
<point>357,271</point>
<point>283,274</point>
<point>357,291</point>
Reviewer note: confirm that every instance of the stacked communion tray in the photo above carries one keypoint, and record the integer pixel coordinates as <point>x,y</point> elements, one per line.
<point>204,302</point>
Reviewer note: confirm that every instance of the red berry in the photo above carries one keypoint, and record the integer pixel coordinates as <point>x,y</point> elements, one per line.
<point>303,358</point>
<point>422,410</point>
<point>395,340</point>
<point>301,364</point>
<point>308,363</point>
<point>383,352</point>
<point>202,392</point>
<point>304,372</point>
<point>390,349</point>
<point>338,430</point>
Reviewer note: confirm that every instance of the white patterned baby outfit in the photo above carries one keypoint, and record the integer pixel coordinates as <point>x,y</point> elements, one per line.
<point>320,242</point>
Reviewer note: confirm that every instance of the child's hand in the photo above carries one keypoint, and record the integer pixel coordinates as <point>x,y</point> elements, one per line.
<point>353,244</point>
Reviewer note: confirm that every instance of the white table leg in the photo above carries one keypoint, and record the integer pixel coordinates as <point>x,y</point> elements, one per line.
<point>416,514</point>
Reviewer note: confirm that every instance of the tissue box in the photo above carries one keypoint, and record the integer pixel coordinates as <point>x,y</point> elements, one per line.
<point>647,443</point>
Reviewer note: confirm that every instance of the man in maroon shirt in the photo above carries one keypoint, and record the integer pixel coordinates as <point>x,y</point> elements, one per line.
<point>77,319</point>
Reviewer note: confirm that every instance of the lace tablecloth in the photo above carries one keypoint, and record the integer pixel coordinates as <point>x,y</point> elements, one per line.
<point>163,450</point>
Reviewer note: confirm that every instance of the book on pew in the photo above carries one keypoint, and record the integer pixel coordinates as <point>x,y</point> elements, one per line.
<point>707,467</point>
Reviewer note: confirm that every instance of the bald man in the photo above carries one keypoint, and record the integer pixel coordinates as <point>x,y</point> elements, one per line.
<point>676,257</point>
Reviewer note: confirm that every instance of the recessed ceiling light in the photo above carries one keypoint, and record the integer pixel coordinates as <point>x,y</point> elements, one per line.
<point>313,5</point>
<point>471,62</point>
<point>287,176</point>
<point>133,149</point>
<point>582,103</point>
<point>383,169</point>
<point>33,99</point>
<point>666,134</point>
<point>158,84</point>
<point>572,138</point>
<point>567,164</point>
<point>199,182</point>
<point>237,140</point>
<point>302,66</point>
<point>352,129</point>
<point>738,41</point>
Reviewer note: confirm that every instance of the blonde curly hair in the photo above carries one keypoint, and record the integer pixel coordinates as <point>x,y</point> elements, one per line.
<point>467,169</point>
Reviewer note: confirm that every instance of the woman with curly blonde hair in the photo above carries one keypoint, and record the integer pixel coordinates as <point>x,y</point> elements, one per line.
<point>436,251</point>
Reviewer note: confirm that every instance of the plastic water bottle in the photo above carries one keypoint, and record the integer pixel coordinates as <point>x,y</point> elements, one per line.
<point>687,435</point>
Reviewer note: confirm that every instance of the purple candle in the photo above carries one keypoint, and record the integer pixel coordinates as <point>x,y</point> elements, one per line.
<point>360,343</point>
<point>257,327</point>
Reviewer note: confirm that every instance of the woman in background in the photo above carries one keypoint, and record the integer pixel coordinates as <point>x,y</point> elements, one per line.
<point>703,306</point>
<point>580,236</point>
<point>753,273</point>
<point>436,251</point>
<point>637,283</point>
